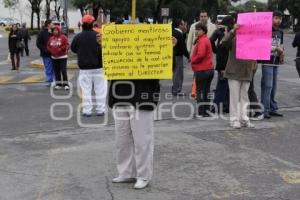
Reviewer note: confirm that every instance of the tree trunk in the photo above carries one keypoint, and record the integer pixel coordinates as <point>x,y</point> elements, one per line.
<point>57,10</point>
<point>48,9</point>
<point>81,11</point>
<point>96,8</point>
<point>156,12</point>
<point>31,19</point>
<point>38,13</point>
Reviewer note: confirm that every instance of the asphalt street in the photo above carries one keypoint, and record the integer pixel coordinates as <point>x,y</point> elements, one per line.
<point>71,158</point>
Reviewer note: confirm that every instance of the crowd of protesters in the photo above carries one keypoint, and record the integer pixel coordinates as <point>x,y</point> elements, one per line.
<point>234,92</point>
<point>235,82</point>
<point>134,117</point>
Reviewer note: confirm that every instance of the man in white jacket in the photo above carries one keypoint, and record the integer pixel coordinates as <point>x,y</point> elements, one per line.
<point>203,16</point>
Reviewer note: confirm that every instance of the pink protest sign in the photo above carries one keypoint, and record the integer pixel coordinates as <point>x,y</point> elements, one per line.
<point>254,37</point>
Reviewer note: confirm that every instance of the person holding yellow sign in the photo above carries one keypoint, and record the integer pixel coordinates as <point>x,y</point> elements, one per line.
<point>134,93</point>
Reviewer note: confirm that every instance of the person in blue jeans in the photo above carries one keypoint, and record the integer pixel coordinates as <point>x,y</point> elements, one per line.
<point>41,43</point>
<point>270,70</point>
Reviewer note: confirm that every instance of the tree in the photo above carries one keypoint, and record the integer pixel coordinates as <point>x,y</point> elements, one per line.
<point>11,5</point>
<point>57,8</point>
<point>48,9</point>
<point>80,4</point>
<point>38,12</point>
<point>32,6</point>
<point>252,5</point>
<point>185,9</point>
<point>96,5</point>
<point>35,6</point>
<point>93,5</point>
<point>120,8</point>
<point>293,7</point>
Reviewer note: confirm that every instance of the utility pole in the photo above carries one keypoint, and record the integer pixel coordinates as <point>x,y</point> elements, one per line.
<point>66,19</point>
<point>133,11</point>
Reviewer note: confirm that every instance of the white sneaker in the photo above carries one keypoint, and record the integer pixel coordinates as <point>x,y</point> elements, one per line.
<point>57,87</point>
<point>247,124</point>
<point>124,180</point>
<point>141,184</point>
<point>199,116</point>
<point>257,117</point>
<point>235,124</point>
<point>67,87</point>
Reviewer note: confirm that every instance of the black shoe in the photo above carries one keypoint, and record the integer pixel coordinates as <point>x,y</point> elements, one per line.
<point>100,114</point>
<point>212,110</point>
<point>257,116</point>
<point>226,111</point>
<point>267,116</point>
<point>180,94</point>
<point>86,115</point>
<point>276,114</point>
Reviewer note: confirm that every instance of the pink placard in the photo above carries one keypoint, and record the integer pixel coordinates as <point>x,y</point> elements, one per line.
<point>254,37</point>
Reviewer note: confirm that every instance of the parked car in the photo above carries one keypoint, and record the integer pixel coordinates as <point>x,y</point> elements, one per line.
<point>9,21</point>
<point>2,21</point>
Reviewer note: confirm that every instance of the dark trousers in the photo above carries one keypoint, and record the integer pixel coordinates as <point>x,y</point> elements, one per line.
<point>203,82</point>
<point>25,48</point>
<point>60,70</point>
<point>177,75</point>
<point>254,102</point>
<point>221,99</point>
<point>15,60</point>
<point>298,65</point>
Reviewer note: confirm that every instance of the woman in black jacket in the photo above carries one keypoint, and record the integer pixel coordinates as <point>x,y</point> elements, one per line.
<point>14,41</point>
<point>221,100</point>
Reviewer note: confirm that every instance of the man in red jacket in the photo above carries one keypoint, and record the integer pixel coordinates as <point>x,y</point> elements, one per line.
<point>58,46</point>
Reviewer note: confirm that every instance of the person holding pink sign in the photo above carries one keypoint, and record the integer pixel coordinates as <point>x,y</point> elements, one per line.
<point>239,73</point>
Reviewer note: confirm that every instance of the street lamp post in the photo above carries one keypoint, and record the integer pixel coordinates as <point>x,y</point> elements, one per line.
<point>133,10</point>
<point>66,15</point>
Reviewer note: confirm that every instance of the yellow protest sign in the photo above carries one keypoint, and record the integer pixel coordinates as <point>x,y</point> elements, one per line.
<point>137,51</point>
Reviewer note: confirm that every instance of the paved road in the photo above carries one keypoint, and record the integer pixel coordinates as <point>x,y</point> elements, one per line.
<point>42,158</point>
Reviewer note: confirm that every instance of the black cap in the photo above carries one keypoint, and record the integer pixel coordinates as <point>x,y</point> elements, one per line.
<point>277,13</point>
